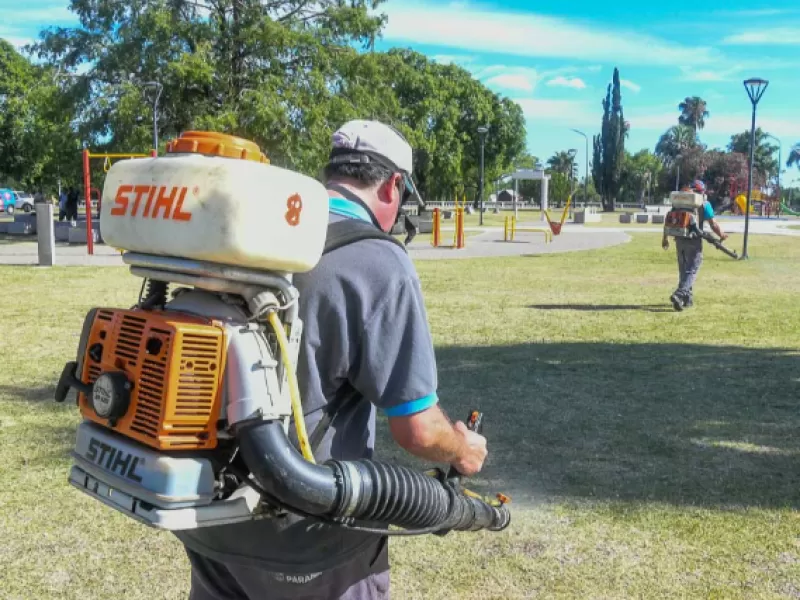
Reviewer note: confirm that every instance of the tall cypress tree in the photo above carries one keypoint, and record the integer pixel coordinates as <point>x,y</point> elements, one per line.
<point>609,146</point>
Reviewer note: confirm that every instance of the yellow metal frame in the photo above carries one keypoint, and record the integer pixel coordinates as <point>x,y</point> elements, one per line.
<point>109,156</point>
<point>510,229</point>
<point>563,214</point>
<point>459,237</point>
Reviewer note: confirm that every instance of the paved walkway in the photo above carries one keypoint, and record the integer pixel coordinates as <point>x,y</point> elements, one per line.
<point>487,243</point>
<point>27,253</point>
<point>490,243</point>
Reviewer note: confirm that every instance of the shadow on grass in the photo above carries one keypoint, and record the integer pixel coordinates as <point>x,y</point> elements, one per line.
<point>682,424</point>
<point>655,308</point>
<point>679,424</point>
<point>44,393</point>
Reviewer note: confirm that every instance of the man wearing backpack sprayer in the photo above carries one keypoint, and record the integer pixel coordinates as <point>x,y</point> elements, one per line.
<point>688,245</point>
<point>366,347</point>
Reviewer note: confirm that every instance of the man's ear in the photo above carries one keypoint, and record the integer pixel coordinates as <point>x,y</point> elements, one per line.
<point>389,188</point>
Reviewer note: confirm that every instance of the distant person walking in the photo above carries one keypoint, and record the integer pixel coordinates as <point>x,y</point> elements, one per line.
<point>62,205</point>
<point>689,245</point>
<point>72,205</point>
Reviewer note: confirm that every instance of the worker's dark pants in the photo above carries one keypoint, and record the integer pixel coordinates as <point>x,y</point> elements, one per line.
<point>690,258</point>
<point>366,577</point>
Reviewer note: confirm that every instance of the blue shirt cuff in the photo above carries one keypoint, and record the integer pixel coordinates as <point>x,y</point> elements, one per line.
<point>412,407</point>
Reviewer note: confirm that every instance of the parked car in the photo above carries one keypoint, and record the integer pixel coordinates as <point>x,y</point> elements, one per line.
<point>24,201</point>
<point>8,201</point>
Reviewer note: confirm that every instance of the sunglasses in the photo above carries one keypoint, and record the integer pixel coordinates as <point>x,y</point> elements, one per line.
<point>406,190</point>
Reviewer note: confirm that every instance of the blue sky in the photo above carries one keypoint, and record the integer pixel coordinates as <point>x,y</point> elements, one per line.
<point>556,58</point>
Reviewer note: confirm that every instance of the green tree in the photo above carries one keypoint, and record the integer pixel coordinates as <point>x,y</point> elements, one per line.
<point>277,59</point>
<point>764,161</point>
<point>529,189</point>
<point>559,188</point>
<point>38,145</point>
<point>693,113</point>
<point>681,152</point>
<point>674,142</point>
<point>562,162</point>
<point>284,74</point>
<point>609,146</point>
<point>725,174</point>
<point>794,156</point>
<point>640,175</point>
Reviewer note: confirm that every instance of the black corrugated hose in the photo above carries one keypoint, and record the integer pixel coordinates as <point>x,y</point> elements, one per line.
<point>361,490</point>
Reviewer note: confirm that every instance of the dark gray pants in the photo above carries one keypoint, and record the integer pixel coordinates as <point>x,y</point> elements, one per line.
<point>366,577</point>
<point>690,258</point>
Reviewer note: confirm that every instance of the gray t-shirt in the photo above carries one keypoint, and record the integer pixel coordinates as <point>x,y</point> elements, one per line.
<point>365,329</point>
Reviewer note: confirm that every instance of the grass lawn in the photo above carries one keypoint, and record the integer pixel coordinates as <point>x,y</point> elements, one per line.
<point>649,454</point>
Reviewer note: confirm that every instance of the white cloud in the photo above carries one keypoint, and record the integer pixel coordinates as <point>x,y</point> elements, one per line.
<point>759,12</point>
<point>452,59</point>
<point>706,75</point>
<point>570,82</point>
<point>511,82</point>
<point>654,122</point>
<point>634,87</point>
<point>526,34</point>
<point>15,37</point>
<point>18,42</point>
<point>719,124</point>
<point>48,14</point>
<point>778,36</point>
<point>505,77</point>
<point>729,124</point>
<point>568,112</point>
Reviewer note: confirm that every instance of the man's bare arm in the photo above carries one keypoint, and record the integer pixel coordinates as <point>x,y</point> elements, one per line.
<point>430,435</point>
<point>717,229</point>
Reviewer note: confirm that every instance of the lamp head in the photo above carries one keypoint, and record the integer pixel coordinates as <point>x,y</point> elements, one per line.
<point>755,88</point>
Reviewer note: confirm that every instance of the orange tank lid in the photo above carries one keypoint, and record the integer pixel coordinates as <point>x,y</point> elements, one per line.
<point>216,144</point>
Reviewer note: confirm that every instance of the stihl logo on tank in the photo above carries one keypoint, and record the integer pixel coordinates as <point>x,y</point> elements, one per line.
<point>152,202</point>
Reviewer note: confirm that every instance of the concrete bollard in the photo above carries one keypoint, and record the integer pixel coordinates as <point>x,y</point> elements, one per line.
<point>46,235</point>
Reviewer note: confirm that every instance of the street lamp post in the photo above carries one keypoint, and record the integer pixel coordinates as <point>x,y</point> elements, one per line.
<point>755,90</point>
<point>482,131</point>
<point>586,176</point>
<point>159,89</point>
<point>572,153</point>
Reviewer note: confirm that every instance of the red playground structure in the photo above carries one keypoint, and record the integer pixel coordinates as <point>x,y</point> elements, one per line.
<point>87,187</point>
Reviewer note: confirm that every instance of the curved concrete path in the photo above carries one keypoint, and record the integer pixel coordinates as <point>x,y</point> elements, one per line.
<point>488,242</point>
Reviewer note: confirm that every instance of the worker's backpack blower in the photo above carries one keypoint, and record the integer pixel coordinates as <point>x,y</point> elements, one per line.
<point>187,397</point>
<point>685,220</point>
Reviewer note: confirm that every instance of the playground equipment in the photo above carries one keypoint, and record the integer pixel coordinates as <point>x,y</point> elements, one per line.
<point>741,204</point>
<point>459,239</point>
<point>761,203</point>
<point>87,186</point>
<point>510,229</point>
<point>556,227</point>
<point>187,398</point>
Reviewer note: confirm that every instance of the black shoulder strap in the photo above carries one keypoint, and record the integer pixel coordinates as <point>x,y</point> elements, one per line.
<point>340,234</point>
<point>348,231</point>
<point>344,397</point>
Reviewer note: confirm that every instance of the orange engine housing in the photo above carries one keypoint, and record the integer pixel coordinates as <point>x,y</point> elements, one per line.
<point>175,363</point>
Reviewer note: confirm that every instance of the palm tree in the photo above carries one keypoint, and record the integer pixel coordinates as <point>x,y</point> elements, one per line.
<point>693,112</point>
<point>794,156</point>
<point>561,162</point>
<point>676,140</point>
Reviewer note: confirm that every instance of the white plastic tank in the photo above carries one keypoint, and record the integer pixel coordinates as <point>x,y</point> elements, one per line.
<point>216,198</point>
<point>686,200</point>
